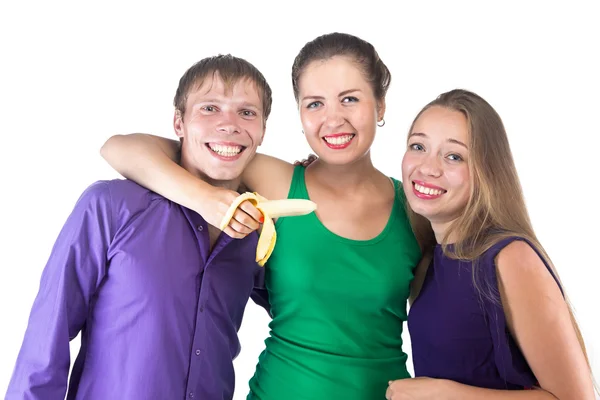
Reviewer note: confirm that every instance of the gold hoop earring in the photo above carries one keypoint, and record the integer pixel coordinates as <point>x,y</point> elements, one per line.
<point>382,123</point>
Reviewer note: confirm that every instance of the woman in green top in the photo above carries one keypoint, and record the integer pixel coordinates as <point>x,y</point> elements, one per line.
<point>338,279</point>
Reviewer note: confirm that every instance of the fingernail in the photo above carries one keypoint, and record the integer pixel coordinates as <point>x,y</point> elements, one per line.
<point>262,219</point>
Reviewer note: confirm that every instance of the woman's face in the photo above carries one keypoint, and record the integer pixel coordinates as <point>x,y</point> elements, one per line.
<point>338,110</point>
<point>435,167</point>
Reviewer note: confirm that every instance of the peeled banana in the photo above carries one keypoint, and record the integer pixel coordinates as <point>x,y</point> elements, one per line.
<point>269,209</point>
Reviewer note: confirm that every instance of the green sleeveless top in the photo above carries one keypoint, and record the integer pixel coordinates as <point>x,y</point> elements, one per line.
<point>338,306</point>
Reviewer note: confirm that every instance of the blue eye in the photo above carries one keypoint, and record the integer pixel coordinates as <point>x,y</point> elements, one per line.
<point>349,99</point>
<point>455,157</point>
<point>209,108</point>
<point>416,147</point>
<point>314,104</point>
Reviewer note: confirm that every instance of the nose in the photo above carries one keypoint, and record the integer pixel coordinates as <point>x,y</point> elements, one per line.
<point>229,123</point>
<point>334,116</point>
<point>431,165</point>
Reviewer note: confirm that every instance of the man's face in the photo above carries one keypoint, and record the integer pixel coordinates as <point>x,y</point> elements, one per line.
<point>221,128</point>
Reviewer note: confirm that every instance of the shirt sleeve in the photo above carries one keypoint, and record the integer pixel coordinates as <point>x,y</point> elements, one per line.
<point>75,269</point>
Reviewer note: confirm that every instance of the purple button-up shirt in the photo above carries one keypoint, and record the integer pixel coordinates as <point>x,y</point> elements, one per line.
<point>158,312</point>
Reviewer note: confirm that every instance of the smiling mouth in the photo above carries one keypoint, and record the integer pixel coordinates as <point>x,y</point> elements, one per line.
<point>427,190</point>
<point>339,140</point>
<point>225,150</point>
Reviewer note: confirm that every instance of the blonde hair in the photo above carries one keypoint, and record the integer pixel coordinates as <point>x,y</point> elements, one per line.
<point>496,207</point>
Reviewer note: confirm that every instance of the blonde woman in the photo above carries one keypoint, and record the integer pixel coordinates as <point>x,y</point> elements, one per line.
<point>491,318</point>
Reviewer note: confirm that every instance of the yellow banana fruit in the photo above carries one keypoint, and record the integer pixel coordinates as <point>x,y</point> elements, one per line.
<point>269,209</point>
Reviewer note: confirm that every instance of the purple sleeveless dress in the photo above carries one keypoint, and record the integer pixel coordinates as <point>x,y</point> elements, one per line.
<point>459,334</point>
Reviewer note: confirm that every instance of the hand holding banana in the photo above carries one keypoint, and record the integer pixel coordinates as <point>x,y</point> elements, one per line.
<point>269,209</point>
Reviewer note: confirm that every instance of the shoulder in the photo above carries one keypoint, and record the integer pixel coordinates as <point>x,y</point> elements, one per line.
<point>122,194</point>
<point>400,195</point>
<point>125,188</point>
<point>520,266</point>
<point>400,198</point>
<point>517,253</point>
<point>269,176</point>
<point>97,191</point>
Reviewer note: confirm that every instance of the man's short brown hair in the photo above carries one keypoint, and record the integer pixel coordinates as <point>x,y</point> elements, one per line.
<point>230,69</point>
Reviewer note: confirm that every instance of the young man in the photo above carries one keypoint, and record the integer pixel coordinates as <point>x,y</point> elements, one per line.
<point>157,294</point>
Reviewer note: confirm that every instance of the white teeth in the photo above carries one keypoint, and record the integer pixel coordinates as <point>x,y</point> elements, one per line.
<point>429,191</point>
<point>225,151</point>
<point>339,140</point>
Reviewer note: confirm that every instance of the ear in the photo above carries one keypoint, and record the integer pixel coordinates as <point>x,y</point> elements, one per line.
<point>380,109</point>
<point>178,123</point>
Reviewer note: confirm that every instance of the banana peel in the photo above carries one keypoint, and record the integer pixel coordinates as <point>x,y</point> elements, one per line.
<point>269,209</point>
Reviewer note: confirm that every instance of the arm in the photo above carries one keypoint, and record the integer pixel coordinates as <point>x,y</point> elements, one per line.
<point>150,161</point>
<point>75,269</point>
<point>429,388</point>
<point>268,176</point>
<point>539,320</point>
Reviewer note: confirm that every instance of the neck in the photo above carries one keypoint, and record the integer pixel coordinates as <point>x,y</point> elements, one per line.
<point>440,229</point>
<point>233,184</point>
<point>230,185</point>
<point>348,175</point>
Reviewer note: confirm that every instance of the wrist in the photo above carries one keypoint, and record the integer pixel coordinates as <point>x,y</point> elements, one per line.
<point>200,194</point>
<point>447,389</point>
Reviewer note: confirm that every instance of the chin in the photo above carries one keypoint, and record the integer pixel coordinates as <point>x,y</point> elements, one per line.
<point>347,158</point>
<point>421,210</point>
<point>224,176</point>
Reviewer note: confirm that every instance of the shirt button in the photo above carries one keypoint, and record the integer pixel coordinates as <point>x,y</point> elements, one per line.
<point>191,395</point>
<point>201,308</point>
<point>197,352</point>
<point>200,228</point>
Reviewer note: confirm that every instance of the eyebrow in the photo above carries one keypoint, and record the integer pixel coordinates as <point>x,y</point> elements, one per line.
<point>211,100</point>
<point>217,101</point>
<point>250,105</point>
<point>421,134</point>
<point>343,93</point>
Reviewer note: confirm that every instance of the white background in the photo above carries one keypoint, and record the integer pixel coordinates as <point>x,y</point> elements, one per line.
<point>74,74</point>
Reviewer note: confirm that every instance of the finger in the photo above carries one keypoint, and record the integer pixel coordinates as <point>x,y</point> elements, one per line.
<point>248,223</point>
<point>252,212</point>
<point>233,234</point>
<point>240,228</point>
